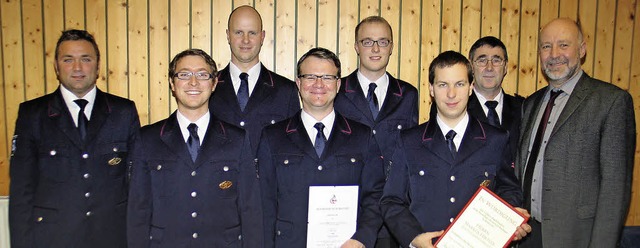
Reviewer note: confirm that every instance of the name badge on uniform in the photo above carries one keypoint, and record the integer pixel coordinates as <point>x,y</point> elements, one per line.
<point>115,161</point>
<point>225,185</point>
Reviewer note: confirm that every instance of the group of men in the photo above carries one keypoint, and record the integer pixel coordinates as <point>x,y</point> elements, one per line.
<point>234,164</point>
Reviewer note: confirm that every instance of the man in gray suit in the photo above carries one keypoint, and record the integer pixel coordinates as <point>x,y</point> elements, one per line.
<point>575,158</point>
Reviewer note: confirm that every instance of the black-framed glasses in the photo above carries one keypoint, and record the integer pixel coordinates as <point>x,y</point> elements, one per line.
<point>186,75</point>
<point>380,42</point>
<point>495,61</point>
<point>310,78</point>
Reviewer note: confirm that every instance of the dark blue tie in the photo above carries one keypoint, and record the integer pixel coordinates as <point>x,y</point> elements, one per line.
<point>492,115</point>
<point>82,119</point>
<point>452,146</point>
<point>243,91</point>
<point>320,139</point>
<point>193,143</point>
<point>373,100</point>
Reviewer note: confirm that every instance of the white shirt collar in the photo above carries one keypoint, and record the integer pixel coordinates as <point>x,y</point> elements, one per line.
<point>73,108</point>
<point>308,121</point>
<point>382,84</point>
<point>254,74</point>
<point>499,98</point>
<point>460,128</point>
<point>202,122</point>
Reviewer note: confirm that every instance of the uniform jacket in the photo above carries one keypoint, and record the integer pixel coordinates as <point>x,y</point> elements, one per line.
<point>175,202</point>
<point>288,165</point>
<point>399,110</point>
<point>273,99</point>
<point>427,188</point>
<point>511,116</point>
<point>588,164</point>
<point>66,192</point>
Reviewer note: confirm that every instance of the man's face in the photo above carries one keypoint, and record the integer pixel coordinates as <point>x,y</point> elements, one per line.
<point>318,95</point>
<point>488,77</point>
<point>192,94</point>
<point>373,59</point>
<point>561,50</point>
<point>245,37</point>
<point>77,66</point>
<point>451,90</point>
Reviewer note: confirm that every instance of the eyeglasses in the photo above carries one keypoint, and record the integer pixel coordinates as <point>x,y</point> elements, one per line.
<point>311,78</point>
<point>380,42</point>
<point>186,75</point>
<point>497,61</point>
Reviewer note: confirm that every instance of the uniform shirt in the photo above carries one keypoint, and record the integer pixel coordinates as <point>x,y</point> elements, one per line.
<point>202,122</point>
<point>234,73</point>
<point>561,101</point>
<point>73,108</point>
<point>499,98</point>
<point>382,84</point>
<point>459,129</point>
<point>309,123</point>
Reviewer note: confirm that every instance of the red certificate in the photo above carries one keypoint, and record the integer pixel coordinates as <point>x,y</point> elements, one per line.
<point>486,221</point>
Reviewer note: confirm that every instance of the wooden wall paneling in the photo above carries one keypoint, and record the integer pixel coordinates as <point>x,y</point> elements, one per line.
<point>430,48</point>
<point>96,24</point>
<point>348,19</point>
<point>587,19</point>
<point>53,27</point>
<point>220,51</point>
<point>491,13</point>
<point>5,133</point>
<point>328,16</point>
<point>528,51</point>
<point>116,54</point>
<point>409,52</point>
<point>633,218</point>
<point>286,39</point>
<point>33,49</point>
<point>605,31</point>
<point>179,32</point>
<point>238,3</point>
<point>369,8</point>
<point>390,10</point>
<point>623,43</point>
<point>74,14</point>
<point>159,93</point>
<point>510,36</point>
<point>306,26</point>
<point>266,8</point>
<point>549,10</point>
<point>451,25</point>
<point>139,57</point>
<point>201,26</point>
<point>471,25</point>
<point>569,8</point>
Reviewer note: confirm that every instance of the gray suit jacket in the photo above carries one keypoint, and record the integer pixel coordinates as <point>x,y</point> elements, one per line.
<point>588,164</point>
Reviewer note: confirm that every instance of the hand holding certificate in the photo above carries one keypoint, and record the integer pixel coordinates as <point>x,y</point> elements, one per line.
<point>486,221</point>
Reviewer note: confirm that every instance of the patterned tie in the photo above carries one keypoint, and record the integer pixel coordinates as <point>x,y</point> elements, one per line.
<point>452,146</point>
<point>193,143</point>
<point>320,139</point>
<point>243,91</point>
<point>535,149</point>
<point>492,115</point>
<point>373,100</point>
<point>82,119</point>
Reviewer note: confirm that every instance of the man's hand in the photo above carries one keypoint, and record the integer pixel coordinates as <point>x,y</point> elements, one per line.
<point>523,229</point>
<point>424,240</point>
<point>352,243</point>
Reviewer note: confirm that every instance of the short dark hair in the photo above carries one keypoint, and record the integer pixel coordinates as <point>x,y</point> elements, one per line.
<point>75,34</point>
<point>488,41</point>
<point>373,19</point>
<point>192,52</point>
<point>448,59</point>
<point>321,53</point>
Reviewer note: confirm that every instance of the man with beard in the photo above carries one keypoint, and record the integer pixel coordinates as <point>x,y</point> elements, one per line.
<point>576,151</point>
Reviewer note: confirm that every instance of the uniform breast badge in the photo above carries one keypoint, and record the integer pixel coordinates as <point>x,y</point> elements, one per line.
<point>485,183</point>
<point>225,185</point>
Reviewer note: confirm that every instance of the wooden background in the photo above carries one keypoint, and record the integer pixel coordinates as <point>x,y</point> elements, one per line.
<point>137,38</point>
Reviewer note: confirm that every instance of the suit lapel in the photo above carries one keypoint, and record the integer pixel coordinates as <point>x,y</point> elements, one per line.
<point>60,115</point>
<point>392,98</point>
<point>263,90</point>
<point>528,122</point>
<point>99,114</point>
<point>475,109</point>
<point>580,92</point>
<point>171,136</point>
<point>225,99</point>
<point>298,135</point>
<point>216,136</point>
<point>509,110</point>
<point>433,141</point>
<point>355,94</point>
<point>340,134</point>
<point>474,138</point>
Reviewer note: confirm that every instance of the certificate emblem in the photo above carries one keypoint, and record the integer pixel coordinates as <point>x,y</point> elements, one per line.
<point>225,185</point>
<point>115,161</point>
<point>333,199</point>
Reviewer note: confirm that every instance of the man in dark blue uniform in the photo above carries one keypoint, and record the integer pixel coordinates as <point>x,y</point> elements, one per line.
<point>440,164</point>
<point>317,147</point>
<point>193,182</point>
<point>68,162</point>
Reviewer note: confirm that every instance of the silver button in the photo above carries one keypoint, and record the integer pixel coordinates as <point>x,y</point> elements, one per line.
<point>273,121</point>
<point>193,173</point>
<point>40,219</point>
<point>486,174</point>
<point>194,194</point>
<point>319,167</point>
<point>194,214</point>
<point>255,160</point>
<point>453,178</point>
<point>88,213</point>
<point>226,168</point>
<point>286,161</point>
<point>242,123</point>
<point>240,237</point>
<point>159,167</point>
<point>195,235</point>
<point>86,175</point>
<point>278,233</point>
<point>451,220</point>
<point>115,149</point>
<point>85,156</point>
<point>353,160</point>
<point>452,199</point>
<point>421,173</point>
<point>399,127</point>
<point>53,152</point>
<point>374,132</point>
<point>87,194</point>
